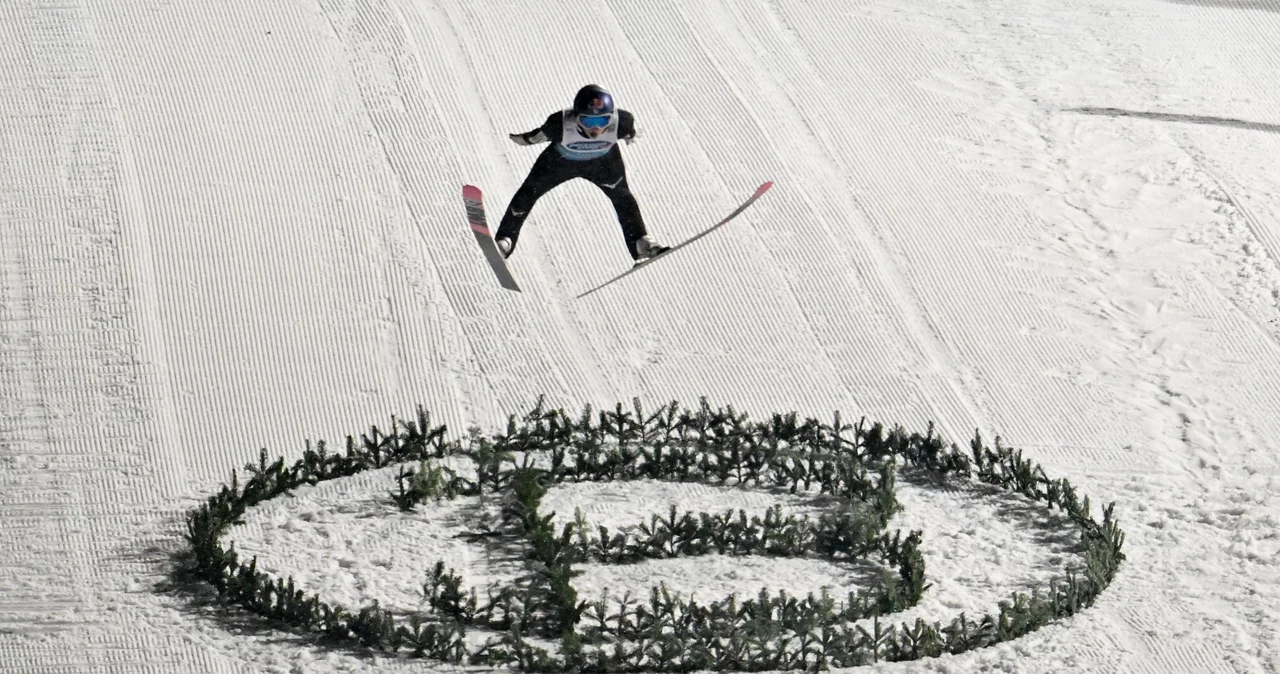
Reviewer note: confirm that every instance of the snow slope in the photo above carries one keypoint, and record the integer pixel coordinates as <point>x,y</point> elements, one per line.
<point>230,225</point>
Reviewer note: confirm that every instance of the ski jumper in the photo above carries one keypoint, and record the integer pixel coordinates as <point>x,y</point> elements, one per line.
<point>574,155</point>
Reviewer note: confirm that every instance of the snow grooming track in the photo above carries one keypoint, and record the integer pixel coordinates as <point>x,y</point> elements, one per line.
<point>232,225</point>
<point>463,86</point>
<point>871,277</point>
<point>668,46</point>
<point>1144,235</point>
<point>85,412</point>
<point>1253,253</point>
<point>406,119</point>
<point>645,341</point>
<point>907,236</point>
<point>278,299</point>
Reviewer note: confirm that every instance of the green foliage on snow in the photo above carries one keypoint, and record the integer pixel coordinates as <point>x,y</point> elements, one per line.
<point>540,623</point>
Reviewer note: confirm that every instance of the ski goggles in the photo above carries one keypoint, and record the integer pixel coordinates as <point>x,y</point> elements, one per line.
<point>594,121</point>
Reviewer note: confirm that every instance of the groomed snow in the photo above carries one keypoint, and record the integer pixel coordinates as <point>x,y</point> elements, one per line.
<point>234,225</point>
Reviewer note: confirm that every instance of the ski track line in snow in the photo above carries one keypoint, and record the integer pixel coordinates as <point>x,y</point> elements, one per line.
<point>1181,358</point>
<point>926,331</point>
<point>897,291</point>
<point>209,242</point>
<point>639,335</point>
<point>572,230</point>
<point>83,455</point>
<point>898,258</point>
<point>283,346</point>
<point>1268,324</point>
<point>504,326</point>
<point>383,66</point>
<point>656,34</point>
<point>90,368</point>
<point>461,83</point>
<point>889,260</point>
<point>743,130</point>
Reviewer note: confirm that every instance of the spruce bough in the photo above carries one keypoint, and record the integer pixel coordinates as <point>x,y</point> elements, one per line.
<point>540,623</point>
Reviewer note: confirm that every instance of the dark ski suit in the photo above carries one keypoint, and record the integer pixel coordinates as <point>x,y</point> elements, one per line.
<point>573,155</point>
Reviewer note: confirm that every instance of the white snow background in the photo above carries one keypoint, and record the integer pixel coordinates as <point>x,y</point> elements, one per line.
<point>228,225</point>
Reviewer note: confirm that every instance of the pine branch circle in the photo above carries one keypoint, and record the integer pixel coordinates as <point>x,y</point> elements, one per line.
<point>540,623</point>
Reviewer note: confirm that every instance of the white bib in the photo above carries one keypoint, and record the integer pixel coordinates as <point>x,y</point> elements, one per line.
<point>575,146</point>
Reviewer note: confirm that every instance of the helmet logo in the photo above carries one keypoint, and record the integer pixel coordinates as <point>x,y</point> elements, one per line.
<point>597,104</point>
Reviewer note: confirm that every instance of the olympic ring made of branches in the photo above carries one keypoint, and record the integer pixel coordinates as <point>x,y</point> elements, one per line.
<point>539,623</point>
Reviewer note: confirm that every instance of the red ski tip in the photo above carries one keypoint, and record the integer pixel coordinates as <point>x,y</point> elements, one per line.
<point>763,188</point>
<point>471,192</point>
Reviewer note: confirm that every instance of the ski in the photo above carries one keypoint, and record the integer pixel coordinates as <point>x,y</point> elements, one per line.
<point>474,201</point>
<point>759,192</point>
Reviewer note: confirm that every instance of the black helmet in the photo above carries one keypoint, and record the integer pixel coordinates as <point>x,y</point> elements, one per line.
<point>593,100</point>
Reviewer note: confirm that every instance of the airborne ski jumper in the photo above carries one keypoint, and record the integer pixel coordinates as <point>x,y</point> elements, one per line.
<point>584,144</point>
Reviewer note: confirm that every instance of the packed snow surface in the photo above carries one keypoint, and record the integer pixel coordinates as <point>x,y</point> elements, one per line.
<point>233,225</point>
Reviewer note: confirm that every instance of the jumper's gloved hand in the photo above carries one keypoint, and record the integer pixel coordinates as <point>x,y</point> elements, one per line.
<point>632,138</point>
<point>519,139</point>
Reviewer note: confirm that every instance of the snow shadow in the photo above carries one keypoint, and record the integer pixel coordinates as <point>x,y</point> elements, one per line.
<point>1264,5</point>
<point>1049,528</point>
<point>1174,117</point>
<point>178,584</point>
